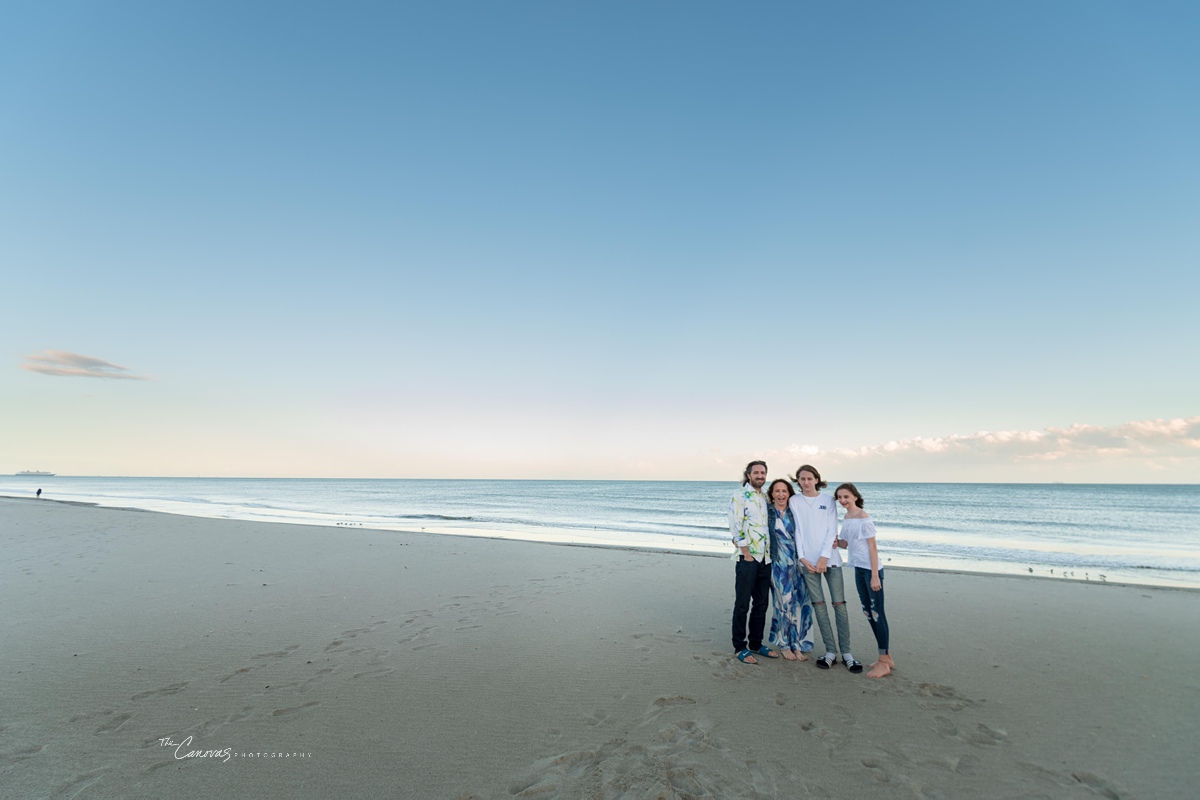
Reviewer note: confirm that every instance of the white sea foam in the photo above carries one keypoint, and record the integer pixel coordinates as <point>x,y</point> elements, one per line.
<point>1139,534</point>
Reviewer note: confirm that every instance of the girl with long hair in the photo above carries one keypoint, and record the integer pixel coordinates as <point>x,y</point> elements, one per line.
<point>858,535</point>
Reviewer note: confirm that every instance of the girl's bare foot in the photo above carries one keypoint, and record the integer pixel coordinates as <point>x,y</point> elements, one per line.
<point>887,659</point>
<point>788,655</point>
<point>880,670</point>
<point>800,656</point>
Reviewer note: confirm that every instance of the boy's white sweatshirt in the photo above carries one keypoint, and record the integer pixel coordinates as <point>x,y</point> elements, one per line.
<point>816,528</point>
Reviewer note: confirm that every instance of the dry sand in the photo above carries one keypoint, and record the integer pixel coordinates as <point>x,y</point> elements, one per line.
<point>408,665</point>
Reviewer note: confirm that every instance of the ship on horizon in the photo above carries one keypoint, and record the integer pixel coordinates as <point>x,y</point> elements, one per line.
<point>34,474</point>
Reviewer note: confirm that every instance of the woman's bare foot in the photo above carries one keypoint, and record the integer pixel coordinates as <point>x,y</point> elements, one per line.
<point>879,670</point>
<point>887,659</point>
<point>788,655</point>
<point>800,656</point>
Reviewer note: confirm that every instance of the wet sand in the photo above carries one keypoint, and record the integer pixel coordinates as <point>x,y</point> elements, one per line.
<point>363,663</point>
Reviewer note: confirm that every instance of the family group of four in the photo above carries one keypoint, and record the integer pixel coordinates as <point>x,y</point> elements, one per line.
<point>787,544</point>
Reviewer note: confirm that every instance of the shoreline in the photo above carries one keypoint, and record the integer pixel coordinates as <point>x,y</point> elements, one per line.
<point>483,533</point>
<point>571,480</point>
<point>423,665</point>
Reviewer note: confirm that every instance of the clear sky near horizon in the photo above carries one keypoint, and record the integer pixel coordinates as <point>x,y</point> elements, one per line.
<point>929,241</point>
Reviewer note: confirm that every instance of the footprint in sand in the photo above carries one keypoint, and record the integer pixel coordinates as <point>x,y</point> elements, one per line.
<point>984,735</point>
<point>597,718</point>
<point>965,764</point>
<point>115,721</point>
<point>728,667</point>
<point>283,712</point>
<point>209,726</point>
<point>677,700</point>
<point>21,753</point>
<point>235,673</point>
<point>683,735</point>
<point>285,652</point>
<point>314,680</point>
<point>1074,780</point>
<point>941,697</point>
<point>419,634</point>
<point>877,771</point>
<point>663,703</point>
<point>1099,785</point>
<point>204,729</point>
<point>945,727</point>
<point>373,673</point>
<point>172,689</point>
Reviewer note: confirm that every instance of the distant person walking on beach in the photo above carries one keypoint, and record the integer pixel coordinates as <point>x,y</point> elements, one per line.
<point>816,532</point>
<point>791,616</point>
<point>858,537</point>
<point>39,494</point>
<point>752,576</point>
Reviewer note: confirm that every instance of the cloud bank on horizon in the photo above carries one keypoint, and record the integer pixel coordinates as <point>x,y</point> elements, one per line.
<point>1156,445</point>
<point>73,365</point>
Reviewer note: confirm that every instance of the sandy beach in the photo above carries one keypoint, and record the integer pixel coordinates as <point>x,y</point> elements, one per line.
<point>318,662</point>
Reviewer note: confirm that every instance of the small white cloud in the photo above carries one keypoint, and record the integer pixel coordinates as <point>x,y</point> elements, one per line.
<point>74,365</point>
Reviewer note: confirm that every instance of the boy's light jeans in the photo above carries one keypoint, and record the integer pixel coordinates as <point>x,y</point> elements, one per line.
<point>837,596</point>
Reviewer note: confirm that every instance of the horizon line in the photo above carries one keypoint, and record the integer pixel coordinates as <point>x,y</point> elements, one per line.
<point>578,480</point>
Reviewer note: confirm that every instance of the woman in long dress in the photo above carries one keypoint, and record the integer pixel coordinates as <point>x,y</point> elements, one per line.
<point>791,615</point>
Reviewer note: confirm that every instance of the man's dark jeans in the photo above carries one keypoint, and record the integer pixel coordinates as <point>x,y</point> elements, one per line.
<point>752,582</point>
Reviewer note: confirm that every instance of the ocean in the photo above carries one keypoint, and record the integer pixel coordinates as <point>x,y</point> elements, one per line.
<point>1105,533</point>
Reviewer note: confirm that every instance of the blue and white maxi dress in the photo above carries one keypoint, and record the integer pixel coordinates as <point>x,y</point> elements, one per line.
<point>791,614</point>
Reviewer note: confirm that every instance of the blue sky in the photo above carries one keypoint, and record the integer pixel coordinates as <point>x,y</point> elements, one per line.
<point>601,240</point>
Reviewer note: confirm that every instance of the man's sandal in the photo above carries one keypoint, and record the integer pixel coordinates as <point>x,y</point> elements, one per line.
<point>766,651</point>
<point>742,655</point>
<point>854,665</point>
<point>825,662</point>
